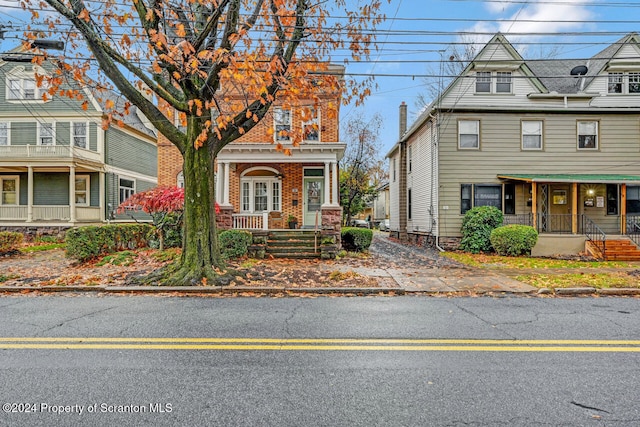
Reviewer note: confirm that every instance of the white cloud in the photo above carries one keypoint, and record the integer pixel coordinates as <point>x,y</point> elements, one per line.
<point>499,6</point>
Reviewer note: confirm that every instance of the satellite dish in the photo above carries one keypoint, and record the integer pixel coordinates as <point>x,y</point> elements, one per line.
<point>580,70</point>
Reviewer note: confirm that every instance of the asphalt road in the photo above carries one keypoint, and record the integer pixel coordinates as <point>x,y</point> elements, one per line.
<point>389,361</point>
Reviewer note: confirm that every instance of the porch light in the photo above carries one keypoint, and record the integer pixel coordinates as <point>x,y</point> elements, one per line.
<point>591,192</point>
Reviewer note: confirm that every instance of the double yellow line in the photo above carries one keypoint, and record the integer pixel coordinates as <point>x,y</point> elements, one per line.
<point>312,344</point>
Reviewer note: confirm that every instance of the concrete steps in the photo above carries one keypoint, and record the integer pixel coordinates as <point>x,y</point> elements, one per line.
<point>299,244</point>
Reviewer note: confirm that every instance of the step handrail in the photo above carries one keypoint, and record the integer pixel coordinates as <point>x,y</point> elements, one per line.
<point>595,235</point>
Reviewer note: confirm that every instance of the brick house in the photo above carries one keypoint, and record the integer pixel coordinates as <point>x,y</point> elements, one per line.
<point>258,186</point>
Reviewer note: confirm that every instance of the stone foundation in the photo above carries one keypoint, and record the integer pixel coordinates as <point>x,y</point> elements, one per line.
<point>224,219</point>
<point>33,232</point>
<point>330,234</point>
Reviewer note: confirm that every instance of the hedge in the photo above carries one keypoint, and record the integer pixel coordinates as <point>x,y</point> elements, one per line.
<point>10,241</point>
<point>477,225</point>
<point>235,243</point>
<point>84,243</point>
<point>514,240</point>
<point>356,239</point>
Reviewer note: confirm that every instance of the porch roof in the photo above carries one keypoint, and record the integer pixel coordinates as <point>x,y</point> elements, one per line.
<point>577,178</point>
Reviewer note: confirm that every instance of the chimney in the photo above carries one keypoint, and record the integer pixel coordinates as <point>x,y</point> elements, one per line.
<point>403,119</point>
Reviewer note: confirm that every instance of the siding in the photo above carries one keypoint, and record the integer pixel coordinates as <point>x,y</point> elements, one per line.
<point>126,152</point>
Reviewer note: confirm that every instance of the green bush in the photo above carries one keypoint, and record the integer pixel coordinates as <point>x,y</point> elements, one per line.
<point>10,241</point>
<point>89,242</point>
<point>235,243</point>
<point>170,225</point>
<point>514,240</point>
<point>356,239</point>
<point>477,225</point>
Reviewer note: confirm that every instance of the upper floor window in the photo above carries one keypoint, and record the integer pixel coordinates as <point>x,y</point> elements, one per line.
<point>24,89</point>
<point>46,134</point>
<point>503,82</point>
<point>469,134</point>
<point>282,119</point>
<point>624,83</point>
<point>310,124</point>
<point>532,134</point>
<point>588,135</point>
<point>483,81</point>
<point>4,133</point>
<point>79,134</point>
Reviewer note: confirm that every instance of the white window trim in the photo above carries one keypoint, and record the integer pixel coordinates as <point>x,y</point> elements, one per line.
<point>251,180</point>
<point>625,81</point>
<point>276,123</point>
<point>493,83</point>
<point>21,74</point>
<point>87,178</point>
<point>522,135</point>
<point>180,179</point>
<point>8,133</point>
<point>39,133</point>
<point>597,147</point>
<point>313,120</point>
<point>478,134</point>
<point>128,178</point>
<point>510,82</point>
<point>86,135</point>
<point>6,178</point>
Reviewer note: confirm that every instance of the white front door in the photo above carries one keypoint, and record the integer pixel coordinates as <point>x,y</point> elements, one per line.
<point>313,200</point>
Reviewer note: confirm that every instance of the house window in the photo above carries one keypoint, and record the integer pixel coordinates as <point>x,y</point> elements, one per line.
<point>480,195</point>
<point>633,199</point>
<point>127,188</point>
<point>180,180</point>
<point>483,82</point>
<point>615,82</point>
<point>79,134</point>
<point>24,89</point>
<point>612,199</point>
<point>82,190</point>
<point>634,82</point>
<point>532,134</point>
<point>503,82</point>
<point>245,197</point>
<point>46,134</point>
<point>275,196</point>
<point>282,120</point>
<point>4,133</point>
<point>409,204</point>
<point>310,124</point>
<point>259,193</point>
<point>587,135</point>
<point>469,134</point>
<point>260,197</point>
<point>10,186</point>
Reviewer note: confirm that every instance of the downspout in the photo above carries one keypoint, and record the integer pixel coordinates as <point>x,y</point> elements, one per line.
<point>434,148</point>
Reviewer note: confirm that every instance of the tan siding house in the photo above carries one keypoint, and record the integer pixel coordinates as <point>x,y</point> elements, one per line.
<point>552,143</point>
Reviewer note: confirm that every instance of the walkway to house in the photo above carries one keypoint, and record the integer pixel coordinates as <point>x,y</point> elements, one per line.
<point>418,269</point>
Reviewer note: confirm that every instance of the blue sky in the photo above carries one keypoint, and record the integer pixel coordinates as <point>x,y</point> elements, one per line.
<point>417,32</point>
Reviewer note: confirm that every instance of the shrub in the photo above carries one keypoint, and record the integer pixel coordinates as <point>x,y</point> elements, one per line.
<point>89,242</point>
<point>235,243</point>
<point>10,241</point>
<point>356,239</point>
<point>514,240</point>
<point>477,226</point>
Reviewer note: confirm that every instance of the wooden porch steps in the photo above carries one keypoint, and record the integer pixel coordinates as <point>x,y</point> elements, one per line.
<point>299,244</point>
<point>622,250</point>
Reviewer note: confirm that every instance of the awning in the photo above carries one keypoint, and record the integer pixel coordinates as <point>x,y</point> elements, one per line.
<point>571,178</point>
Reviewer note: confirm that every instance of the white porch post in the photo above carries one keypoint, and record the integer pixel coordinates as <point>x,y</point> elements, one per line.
<point>29,193</point>
<point>101,192</point>
<point>335,183</point>
<point>72,194</point>
<point>226,184</point>
<point>219,182</point>
<point>327,185</point>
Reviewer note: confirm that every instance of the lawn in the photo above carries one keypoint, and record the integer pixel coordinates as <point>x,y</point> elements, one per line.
<point>557,273</point>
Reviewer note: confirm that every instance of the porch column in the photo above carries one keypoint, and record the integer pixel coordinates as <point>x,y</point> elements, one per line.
<point>574,208</point>
<point>29,193</point>
<point>327,185</point>
<point>72,194</point>
<point>219,182</point>
<point>226,184</point>
<point>534,204</point>
<point>101,193</point>
<point>623,209</point>
<point>335,183</point>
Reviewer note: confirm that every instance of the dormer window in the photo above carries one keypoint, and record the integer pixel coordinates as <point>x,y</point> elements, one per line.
<point>615,82</point>
<point>485,79</point>
<point>624,83</point>
<point>21,85</point>
<point>634,82</point>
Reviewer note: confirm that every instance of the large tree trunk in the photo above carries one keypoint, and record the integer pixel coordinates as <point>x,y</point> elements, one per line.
<point>201,258</point>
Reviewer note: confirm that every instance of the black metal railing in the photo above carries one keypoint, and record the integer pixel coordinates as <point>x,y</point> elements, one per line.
<point>595,234</point>
<point>633,227</point>
<point>521,219</point>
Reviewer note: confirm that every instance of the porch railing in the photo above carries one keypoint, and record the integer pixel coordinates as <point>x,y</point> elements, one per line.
<point>595,234</point>
<point>13,212</point>
<point>633,227</point>
<point>250,221</point>
<point>48,151</point>
<point>49,213</point>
